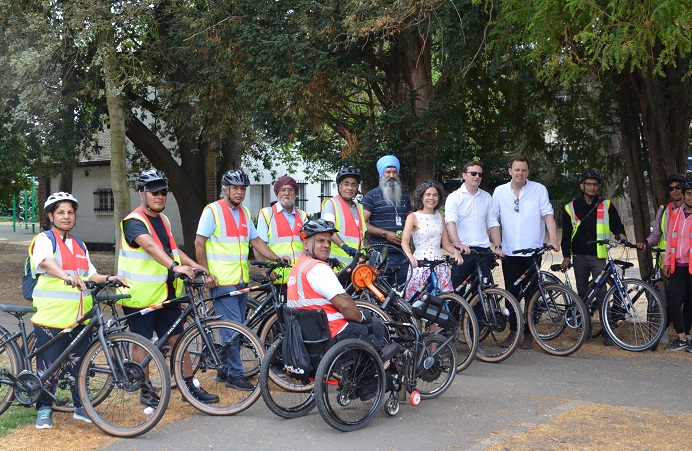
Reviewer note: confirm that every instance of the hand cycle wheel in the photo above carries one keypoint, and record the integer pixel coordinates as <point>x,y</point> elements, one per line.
<point>10,362</point>
<point>496,342</point>
<point>635,317</point>
<point>349,385</point>
<point>436,371</point>
<point>120,413</point>
<point>235,346</point>
<point>557,321</point>
<point>289,398</point>
<point>466,342</point>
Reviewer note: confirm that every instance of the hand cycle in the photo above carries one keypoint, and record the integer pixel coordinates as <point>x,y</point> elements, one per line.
<point>466,338</point>
<point>109,379</point>
<point>204,348</point>
<point>495,309</point>
<point>632,312</point>
<point>555,314</point>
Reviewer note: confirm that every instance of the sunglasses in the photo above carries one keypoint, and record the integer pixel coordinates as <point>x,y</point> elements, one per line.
<point>675,188</point>
<point>475,173</point>
<point>161,192</point>
<point>516,205</point>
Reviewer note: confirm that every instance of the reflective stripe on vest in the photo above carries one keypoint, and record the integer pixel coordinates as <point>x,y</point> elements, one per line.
<point>351,233</point>
<point>59,305</point>
<point>602,224</point>
<point>673,233</point>
<point>300,294</point>
<point>229,245</point>
<point>147,277</point>
<point>282,240</point>
<point>667,213</point>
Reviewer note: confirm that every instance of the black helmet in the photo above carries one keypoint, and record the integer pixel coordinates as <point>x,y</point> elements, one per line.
<point>348,171</point>
<point>591,174</point>
<point>687,185</point>
<point>235,177</point>
<point>56,198</point>
<point>676,178</point>
<point>150,176</point>
<point>315,226</point>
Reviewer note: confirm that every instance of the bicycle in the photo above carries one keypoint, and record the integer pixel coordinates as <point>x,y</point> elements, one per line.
<point>109,380</point>
<point>494,307</point>
<point>632,313</point>
<point>202,351</point>
<point>555,314</point>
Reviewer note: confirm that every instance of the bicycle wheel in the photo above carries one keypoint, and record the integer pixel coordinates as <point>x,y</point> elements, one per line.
<point>550,278</point>
<point>234,346</point>
<point>10,363</point>
<point>437,369</point>
<point>120,413</point>
<point>467,333</point>
<point>557,321</point>
<point>635,315</point>
<point>496,342</point>
<point>291,398</point>
<point>349,386</point>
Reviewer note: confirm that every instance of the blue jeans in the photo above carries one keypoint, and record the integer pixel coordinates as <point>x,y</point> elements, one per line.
<point>231,308</point>
<point>400,260</point>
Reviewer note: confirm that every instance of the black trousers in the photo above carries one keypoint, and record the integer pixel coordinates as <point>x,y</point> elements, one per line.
<point>512,269</point>
<point>679,295</point>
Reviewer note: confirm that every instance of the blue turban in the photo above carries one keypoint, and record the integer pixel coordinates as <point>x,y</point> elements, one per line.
<point>388,161</point>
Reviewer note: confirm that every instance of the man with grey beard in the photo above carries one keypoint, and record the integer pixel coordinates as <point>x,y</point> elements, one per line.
<point>386,208</point>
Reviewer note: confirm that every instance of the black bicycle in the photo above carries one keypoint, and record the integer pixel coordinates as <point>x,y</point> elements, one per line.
<point>110,379</point>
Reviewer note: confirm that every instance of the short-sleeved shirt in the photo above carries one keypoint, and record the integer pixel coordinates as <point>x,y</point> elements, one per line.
<point>384,215</point>
<point>524,228</point>
<point>134,228</point>
<point>207,225</point>
<point>43,247</point>
<point>263,227</point>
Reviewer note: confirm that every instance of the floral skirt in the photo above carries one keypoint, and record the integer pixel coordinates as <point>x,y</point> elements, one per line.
<point>418,277</point>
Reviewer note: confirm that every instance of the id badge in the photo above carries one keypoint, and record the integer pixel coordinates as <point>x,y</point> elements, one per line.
<point>398,221</point>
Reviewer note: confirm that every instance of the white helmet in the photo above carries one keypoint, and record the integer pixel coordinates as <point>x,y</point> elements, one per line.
<point>56,198</point>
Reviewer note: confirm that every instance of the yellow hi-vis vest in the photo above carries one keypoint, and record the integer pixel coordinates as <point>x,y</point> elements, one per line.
<point>147,277</point>
<point>229,245</point>
<point>602,224</point>
<point>351,233</point>
<point>282,240</point>
<point>59,305</point>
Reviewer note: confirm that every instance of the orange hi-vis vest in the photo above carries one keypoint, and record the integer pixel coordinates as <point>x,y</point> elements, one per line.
<point>350,231</point>
<point>59,305</point>
<point>300,294</point>
<point>282,240</point>
<point>673,239</point>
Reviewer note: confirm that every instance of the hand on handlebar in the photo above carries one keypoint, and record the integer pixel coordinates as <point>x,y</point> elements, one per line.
<point>565,263</point>
<point>351,251</point>
<point>184,270</point>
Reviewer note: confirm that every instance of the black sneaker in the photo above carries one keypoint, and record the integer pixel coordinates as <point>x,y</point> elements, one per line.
<point>201,394</point>
<point>239,383</point>
<point>677,345</point>
<point>148,396</point>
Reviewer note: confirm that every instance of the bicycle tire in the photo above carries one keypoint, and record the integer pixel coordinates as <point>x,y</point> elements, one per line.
<point>339,391</point>
<point>495,329</point>
<point>548,278</point>
<point>10,362</point>
<point>436,372</point>
<point>118,413</point>
<point>557,322</point>
<point>291,398</point>
<point>466,342</point>
<point>225,335</point>
<point>638,323</point>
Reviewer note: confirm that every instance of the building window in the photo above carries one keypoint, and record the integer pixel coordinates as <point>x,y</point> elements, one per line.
<point>325,189</point>
<point>301,197</point>
<point>103,201</point>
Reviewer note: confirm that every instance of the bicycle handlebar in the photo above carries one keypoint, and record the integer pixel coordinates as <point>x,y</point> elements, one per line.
<point>271,264</point>
<point>425,263</point>
<point>535,250</point>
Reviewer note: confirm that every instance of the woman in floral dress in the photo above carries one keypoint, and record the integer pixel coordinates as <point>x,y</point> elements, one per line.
<point>426,226</point>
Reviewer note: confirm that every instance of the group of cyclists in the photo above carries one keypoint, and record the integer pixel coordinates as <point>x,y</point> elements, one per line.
<point>515,216</point>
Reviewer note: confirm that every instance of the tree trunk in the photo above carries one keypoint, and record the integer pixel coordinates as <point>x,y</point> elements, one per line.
<point>632,153</point>
<point>116,114</point>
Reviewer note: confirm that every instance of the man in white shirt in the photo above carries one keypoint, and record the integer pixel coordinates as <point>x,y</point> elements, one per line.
<point>524,210</point>
<point>470,219</point>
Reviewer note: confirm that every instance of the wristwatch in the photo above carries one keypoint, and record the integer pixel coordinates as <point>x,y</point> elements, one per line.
<point>384,234</point>
<point>173,265</point>
<point>498,247</point>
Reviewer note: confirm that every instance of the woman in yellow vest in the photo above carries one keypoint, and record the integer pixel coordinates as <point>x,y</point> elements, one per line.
<point>60,296</point>
<point>346,214</point>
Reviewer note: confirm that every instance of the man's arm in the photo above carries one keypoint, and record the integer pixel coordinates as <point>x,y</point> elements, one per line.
<point>616,226</point>
<point>261,247</point>
<point>146,242</point>
<point>376,231</point>
<point>552,231</point>
<point>347,307</point>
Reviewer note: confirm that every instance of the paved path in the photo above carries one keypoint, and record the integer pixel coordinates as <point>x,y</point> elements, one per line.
<point>486,404</point>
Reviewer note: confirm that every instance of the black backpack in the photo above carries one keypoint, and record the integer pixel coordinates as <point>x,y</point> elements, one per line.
<point>29,280</point>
